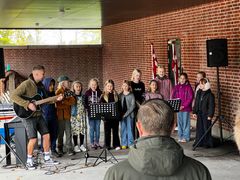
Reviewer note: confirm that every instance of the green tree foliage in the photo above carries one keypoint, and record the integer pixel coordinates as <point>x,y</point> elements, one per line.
<point>5,37</point>
<point>49,37</point>
<point>21,37</point>
<point>13,37</point>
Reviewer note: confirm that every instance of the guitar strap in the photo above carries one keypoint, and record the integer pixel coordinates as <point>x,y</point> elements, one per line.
<point>41,90</point>
<point>40,87</point>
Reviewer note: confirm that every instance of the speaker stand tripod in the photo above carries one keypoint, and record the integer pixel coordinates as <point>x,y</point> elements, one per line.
<point>11,150</point>
<point>220,118</point>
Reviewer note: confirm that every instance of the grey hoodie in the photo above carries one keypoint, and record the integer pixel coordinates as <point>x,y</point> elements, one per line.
<point>155,158</point>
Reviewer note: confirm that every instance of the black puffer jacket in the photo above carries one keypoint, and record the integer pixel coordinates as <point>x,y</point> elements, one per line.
<point>204,103</point>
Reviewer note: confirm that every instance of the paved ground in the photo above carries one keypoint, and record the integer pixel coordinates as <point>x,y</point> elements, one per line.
<point>222,161</point>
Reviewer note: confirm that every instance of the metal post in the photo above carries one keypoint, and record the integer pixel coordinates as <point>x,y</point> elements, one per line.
<point>219,106</point>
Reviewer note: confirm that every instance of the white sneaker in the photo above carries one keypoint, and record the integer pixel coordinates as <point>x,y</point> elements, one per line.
<point>30,166</point>
<point>77,149</point>
<point>82,148</point>
<point>117,148</point>
<point>176,129</point>
<point>50,161</point>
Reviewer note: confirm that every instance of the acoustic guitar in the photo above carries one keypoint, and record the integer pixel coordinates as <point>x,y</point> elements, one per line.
<point>37,100</point>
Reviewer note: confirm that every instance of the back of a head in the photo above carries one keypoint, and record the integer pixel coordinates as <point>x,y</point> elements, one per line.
<point>156,117</point>
<point>202,73</point>
<point>237,128</point>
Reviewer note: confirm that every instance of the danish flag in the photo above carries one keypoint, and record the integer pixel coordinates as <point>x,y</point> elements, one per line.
<point>154,62</point>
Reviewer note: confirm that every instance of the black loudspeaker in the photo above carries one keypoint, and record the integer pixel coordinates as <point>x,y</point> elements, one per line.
<point>2,65</point>
<point>217,53</point>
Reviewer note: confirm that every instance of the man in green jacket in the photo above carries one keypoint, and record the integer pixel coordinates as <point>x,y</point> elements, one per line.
<point>156,155</point>
<point>29,88</point>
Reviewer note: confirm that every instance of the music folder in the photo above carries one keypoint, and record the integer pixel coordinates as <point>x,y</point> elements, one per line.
<point>175,104</point>
<point>103,110</point>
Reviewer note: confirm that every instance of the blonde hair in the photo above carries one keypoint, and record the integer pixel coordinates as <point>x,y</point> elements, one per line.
<point>105,93</point>
<point>129,85</point>
<point>135,72</point>
<point>105,85</point>
<point>93,80</point>
<point>60,84</point>
<point>161,67</point>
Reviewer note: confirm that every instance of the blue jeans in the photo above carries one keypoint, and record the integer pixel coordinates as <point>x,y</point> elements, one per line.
<point>183,121</point>
<point>126,131</point>
<point>94,131</point>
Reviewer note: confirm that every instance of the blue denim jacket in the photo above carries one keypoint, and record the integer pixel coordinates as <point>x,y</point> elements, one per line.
<point>74,109</point>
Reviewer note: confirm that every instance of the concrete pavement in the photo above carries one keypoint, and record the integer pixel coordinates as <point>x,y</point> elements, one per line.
<point>223,162</point>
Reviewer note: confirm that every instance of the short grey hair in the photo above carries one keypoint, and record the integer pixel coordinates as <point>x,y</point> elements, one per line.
<point>38,67</point>
<point>157,117</point>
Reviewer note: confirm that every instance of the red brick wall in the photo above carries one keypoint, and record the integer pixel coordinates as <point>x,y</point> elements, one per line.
<point>79,63</point>
<point>127,46</point>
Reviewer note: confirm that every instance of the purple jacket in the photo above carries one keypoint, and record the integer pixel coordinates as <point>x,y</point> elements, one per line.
<point>164,87</point>
<point>149,95</point>
<point>185,93</point>
<point>92,97</point>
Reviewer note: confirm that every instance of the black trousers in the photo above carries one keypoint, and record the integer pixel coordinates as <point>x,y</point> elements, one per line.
<point>202,125</point>
<point>134,128</point>
<point>75,139</point>
<point>111,125</point>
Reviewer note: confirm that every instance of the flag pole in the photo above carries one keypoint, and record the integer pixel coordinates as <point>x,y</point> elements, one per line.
<point>152,60</point>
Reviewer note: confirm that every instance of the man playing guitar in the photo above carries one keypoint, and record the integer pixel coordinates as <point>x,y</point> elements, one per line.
<point>32,86</point>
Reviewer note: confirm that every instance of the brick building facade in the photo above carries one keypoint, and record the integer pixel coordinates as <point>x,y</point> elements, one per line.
<point>127,46</point>
<point>78,62</point>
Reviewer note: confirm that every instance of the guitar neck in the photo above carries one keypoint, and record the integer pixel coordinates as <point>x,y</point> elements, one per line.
<point>42,101</point>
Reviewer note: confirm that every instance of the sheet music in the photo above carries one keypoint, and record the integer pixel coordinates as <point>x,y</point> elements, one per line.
<point>175,104</point>
<point>100,109</point>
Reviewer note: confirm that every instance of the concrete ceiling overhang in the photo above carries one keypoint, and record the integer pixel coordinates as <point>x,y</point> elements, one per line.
<point>82,14</point>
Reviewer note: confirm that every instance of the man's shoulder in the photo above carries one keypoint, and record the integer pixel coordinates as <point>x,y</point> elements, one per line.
<point>25,84</point>
<point>194,165</point>
<point>118,170</point>
<point>121,164</point>
<point>190,169</point>
<point>27,81</point>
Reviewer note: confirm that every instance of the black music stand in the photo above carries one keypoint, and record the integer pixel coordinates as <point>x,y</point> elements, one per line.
<point>175,104</point>
<point>103,111</point>
<point>86,154</point>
